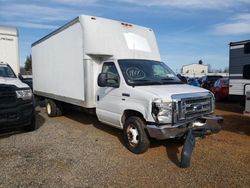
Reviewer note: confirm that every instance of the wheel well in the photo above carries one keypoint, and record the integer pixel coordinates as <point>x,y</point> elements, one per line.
<point>129,113</point>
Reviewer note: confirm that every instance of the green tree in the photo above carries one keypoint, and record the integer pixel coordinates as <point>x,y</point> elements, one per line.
<point>28,64</point>
<point>200,62</point>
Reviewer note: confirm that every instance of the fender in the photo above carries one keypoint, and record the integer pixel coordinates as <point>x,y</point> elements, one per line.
<point>136,106</point>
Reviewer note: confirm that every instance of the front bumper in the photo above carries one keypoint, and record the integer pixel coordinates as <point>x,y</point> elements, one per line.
<point>16,116</point>
<point>209,123</point>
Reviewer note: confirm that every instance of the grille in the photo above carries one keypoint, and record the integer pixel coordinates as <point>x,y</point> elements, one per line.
<point>7,96</point>
<point>191,108</point>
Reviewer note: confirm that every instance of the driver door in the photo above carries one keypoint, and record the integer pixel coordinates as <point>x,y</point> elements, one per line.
<point>108,100</point>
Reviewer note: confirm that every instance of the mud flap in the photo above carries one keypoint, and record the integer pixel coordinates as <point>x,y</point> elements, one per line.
<point>187,149</point>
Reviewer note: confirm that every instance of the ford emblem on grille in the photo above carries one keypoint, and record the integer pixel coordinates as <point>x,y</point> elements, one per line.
<point>197,107</point>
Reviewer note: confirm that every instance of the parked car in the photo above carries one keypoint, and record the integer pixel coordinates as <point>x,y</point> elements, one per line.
<point>194,82</point>
<point>207,82</point>
<point>16,102</point>
<point>221,89</point>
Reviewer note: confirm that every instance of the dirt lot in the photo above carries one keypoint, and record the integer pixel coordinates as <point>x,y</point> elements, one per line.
<point>78,151</point>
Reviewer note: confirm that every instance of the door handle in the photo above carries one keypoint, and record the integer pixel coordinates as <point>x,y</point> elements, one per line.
<point>98,97</point>
<point>125,94</point>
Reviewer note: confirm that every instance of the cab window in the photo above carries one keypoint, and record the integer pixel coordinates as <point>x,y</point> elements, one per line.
<point>112,73</point>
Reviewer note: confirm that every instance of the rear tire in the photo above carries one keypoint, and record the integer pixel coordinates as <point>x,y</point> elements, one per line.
<point>52,108</point>
<point>134,134</point>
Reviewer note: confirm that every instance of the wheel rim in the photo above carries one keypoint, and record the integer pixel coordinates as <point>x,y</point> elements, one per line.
<point>133,135</point>
<point>48,108</point>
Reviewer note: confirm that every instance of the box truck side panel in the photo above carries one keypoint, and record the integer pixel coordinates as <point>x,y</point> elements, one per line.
<point>9,48</point>
<point>58,69</point>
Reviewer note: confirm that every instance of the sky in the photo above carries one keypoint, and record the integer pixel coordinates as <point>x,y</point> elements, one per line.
<point>186,30</point>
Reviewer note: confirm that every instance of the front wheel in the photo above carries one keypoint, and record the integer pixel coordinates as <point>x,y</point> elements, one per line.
<point>135,137</point>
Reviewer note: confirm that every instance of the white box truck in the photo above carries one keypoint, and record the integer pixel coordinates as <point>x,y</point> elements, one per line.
<point>9,52</point>
<point>116,69</point>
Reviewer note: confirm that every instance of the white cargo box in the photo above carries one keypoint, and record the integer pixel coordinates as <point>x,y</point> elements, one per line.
<point>66,62</point>
<point>9,47</point>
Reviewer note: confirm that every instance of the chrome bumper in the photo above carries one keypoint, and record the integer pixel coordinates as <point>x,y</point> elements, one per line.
<point>211,124</point>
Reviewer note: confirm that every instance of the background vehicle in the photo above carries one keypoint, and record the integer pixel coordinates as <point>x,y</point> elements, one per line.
<point>207,82</point>
<point>221,89</point>
<point>122,80</point>
<point>239,70</point>
<point>194,82</point>
<point>16,102</point>
<point>9,52</point>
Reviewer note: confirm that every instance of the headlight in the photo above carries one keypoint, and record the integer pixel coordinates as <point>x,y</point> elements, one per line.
<point>24,94</point>
<point>162,111</point>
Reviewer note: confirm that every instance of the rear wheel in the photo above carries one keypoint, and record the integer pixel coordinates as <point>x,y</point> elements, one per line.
<point>135,137</point>
<point>52,108</point>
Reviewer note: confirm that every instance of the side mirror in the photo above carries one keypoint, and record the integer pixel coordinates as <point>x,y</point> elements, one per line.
<point>20,76</point>
<point>102,80</point>
<point>105,81</point>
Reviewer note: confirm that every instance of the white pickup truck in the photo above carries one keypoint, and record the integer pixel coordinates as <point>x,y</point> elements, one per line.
<point>115,69</point>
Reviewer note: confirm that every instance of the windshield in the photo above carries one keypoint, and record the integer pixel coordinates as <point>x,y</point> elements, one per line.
<point>146,72</point>
<point>6,71</point>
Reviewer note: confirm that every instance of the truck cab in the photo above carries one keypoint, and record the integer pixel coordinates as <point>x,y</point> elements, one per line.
<point>16,102</point>
<point>146,99</point>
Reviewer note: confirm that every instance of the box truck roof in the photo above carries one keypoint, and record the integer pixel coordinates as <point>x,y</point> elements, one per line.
<point>105,37</point>
<point>12,31</point>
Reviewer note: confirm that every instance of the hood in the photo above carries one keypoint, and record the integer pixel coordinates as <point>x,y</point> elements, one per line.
<point>166,91</point>
<point>13,81</point>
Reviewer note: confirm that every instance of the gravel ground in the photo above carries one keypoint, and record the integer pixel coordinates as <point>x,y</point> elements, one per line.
<point>78,151</point>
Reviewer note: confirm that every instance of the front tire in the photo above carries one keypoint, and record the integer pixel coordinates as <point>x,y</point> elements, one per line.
<point>135,137</point>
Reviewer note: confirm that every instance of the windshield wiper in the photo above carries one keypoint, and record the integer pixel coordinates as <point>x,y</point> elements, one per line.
<point>168,78</point>
<point>148,81</point>
<point>142,80</point>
